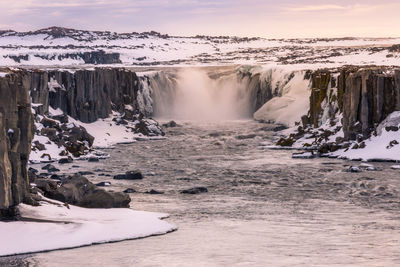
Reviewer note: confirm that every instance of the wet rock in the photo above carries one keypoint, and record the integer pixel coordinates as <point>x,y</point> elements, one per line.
<point>103,184</point>
<point>79,191</point>
<point>353,169</point>
<point>194,190</point>
<point>154,192</point>
<point>129,190</point>
<point>247,136</point>
<point>170,124</point>
<point>55,177</point>
<point>129,175</point>
<point>279,128</point>
<point>288,142</point>
<point>65,160</point>
<point>50,168</point>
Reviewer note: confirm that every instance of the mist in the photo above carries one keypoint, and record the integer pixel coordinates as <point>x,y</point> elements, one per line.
<point>200,98</point>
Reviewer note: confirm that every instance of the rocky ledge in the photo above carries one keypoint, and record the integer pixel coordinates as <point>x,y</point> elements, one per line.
<point>347,107</point>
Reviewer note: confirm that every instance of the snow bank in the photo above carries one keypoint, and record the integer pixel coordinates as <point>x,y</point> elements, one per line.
<point>67,228</point>
<point>384,146</point>
<point>293,102</point>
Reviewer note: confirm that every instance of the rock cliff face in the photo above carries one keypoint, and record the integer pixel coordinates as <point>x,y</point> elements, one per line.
<point>346,106</point>
<point>365,97</point>
<point>16,133</point>
<point>92,57</point>
<point>86,95</point>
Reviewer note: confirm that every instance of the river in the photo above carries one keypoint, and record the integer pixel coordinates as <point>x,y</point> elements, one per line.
<point>262,208</point>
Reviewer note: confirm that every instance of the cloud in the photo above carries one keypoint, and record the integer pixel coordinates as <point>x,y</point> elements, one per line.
<point>316,8</point>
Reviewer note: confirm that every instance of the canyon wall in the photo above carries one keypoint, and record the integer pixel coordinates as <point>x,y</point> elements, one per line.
<point>16,133</point>
<point>85,95</point>
<point>364,96</point>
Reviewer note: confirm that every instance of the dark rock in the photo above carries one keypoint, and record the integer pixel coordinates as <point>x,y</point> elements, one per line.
<point>55,177</point>
<point>154,192</point>
<point>194,190</point>
<point>32,170</point>
<point>46,185</point>
<point>49,123</point>
<point>129,175</point>
<point>93,159</point>
<point>49,132</point>
<point>285,142</point>
<point>10,214</point>
<point>103,199</point>
<point>279,128</point>
<point>39,146</point>
<point>61,118</point>
<point>248,136</point>
<point>48,167</point>
<point>103,184</point>
<point>79,191</point>
<point>129,190</point>
<point>65,160</point>
<point>353,169</point>
<point>170,124</point>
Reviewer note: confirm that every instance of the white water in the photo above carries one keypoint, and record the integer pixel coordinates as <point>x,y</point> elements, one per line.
<point>201,98</point>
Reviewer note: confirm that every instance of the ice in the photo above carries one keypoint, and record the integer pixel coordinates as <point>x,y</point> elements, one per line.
<point>293,102</point>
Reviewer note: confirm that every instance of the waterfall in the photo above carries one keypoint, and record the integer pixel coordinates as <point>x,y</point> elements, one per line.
<point>222,93</point>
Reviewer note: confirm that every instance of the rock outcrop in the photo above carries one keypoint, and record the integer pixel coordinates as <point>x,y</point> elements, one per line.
<point>78,190</point>
<point>354,100</point>
<point>16,133</point>
<point>85,95</point>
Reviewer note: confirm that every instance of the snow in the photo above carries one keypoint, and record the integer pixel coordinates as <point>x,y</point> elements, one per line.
<point>293,102</point>
<point>3,74</point>
<point>378,147</point>
<point>106,132</point>
<point>51,149</point>
<point>157,50</point>
<point>63,227</point>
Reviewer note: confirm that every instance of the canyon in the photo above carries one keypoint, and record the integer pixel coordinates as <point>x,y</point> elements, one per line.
<point>176,119</point>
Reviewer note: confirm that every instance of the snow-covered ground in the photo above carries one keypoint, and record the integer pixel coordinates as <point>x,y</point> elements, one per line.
<point>384,146</point>
<point>54,226</point>
<point>58,46</point>
<point>106,132</point>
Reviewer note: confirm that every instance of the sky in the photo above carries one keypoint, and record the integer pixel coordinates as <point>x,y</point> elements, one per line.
<point>262,18</point>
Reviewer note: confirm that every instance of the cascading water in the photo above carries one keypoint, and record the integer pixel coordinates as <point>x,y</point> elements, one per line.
<point>198,97</point>
<point>217,93</point>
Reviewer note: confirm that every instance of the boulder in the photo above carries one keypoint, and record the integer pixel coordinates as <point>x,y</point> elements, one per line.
<point>194,190</point>
<point>65,160</point>
<point>154,192</point>
<point>78,190</point>
<point>103,184</point>
<point>129,175</point>
<point>129,190</point>
<point>170,124</point>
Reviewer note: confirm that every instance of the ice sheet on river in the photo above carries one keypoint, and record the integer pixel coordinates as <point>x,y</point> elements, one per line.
<point>61,227</point>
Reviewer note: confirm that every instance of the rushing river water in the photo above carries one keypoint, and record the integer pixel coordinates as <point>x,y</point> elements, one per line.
<point>263,208</point>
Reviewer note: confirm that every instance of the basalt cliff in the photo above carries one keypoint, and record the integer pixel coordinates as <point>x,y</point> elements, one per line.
<point>16,133</point>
